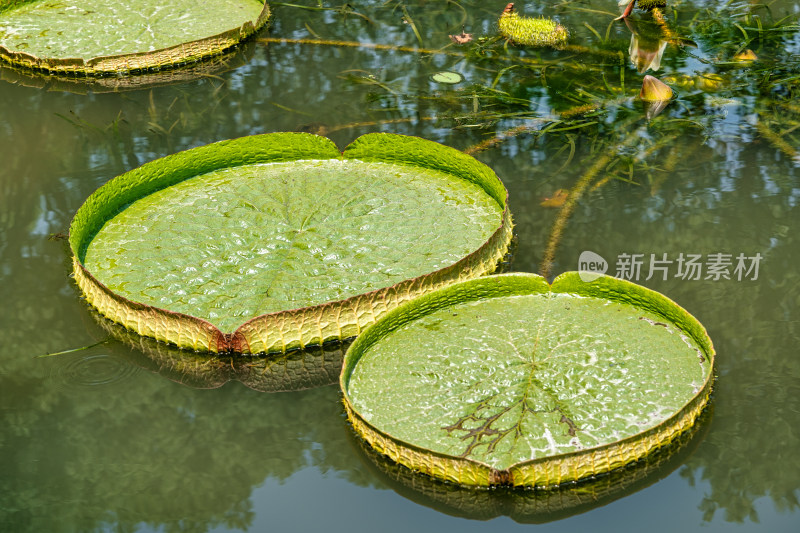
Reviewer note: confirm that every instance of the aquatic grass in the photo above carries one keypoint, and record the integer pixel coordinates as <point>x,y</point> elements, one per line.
<point>413,25</point>
<point>402,48</point>
<point>86,126</point>
<point>778,140</point>
<point>75,350</point>
<point>344,10</point>
<point>602,161</point>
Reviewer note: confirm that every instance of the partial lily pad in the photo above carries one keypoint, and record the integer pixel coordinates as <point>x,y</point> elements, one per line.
<point>101,37</point>
<point>274,242</point>
<point>69,82</point>
<point>507,380</point>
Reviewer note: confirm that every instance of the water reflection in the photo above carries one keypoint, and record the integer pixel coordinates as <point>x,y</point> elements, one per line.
<point>537,506</point>
<point>88,371</point>
<point>157,453</point>
<point>210,67</point>
<point>315,366</point>
<point>647,45</point>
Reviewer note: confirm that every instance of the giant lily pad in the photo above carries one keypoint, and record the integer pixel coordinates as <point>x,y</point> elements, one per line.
<point>506,380</point>
<point>102,37</point>
<point>278,241</point>
<point>68,82</point>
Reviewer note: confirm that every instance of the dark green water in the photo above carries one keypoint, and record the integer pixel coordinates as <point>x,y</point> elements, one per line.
<point>98,440</point>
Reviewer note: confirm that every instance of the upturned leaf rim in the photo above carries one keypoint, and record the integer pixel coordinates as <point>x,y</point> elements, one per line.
<point>550,471</point>
<point>290,329</point>
<point>171,57</point>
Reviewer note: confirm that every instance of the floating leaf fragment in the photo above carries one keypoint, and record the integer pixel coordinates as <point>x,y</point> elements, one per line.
<point>447,77</point>
<point>557,200</point>
<point>463,38</point>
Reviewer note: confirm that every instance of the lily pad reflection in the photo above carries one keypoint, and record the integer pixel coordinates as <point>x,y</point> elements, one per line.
<point>316,366</point>
<point>536,506</point>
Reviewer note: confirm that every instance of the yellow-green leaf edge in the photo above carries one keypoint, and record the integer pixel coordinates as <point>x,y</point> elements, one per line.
<point>295,328</point>
<point>139,62</point>
<point>546,472</point>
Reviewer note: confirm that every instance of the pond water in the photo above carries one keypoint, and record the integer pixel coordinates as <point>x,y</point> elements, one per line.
<point>112,439</point>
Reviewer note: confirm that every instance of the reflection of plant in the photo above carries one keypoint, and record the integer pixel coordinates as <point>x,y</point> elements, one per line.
<point>645,54</point>
<point>646,5</point>
<point>647,46</point>
<point>539,506</point>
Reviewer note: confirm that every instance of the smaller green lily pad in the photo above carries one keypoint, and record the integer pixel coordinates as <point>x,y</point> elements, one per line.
<point>447,77</point>
<point>506,380</point>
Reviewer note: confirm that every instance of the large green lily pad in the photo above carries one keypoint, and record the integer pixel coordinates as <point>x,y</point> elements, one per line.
<point>274,242</point>
<point>99,37</point>
<point>506,380</point>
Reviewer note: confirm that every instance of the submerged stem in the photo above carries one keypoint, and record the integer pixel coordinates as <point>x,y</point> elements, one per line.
<point>777,141</point>
<point>73,350</point>
<point>575,193</point>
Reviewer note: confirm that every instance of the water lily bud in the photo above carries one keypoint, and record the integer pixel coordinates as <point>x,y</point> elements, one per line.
<point>654,90</point>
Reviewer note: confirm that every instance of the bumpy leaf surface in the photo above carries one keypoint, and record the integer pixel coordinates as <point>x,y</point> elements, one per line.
<point>236,243</point>
<point>511,379</point>
<point>93,28</point>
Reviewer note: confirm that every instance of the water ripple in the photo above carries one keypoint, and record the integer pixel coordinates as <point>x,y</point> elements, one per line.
<point>91,371</point>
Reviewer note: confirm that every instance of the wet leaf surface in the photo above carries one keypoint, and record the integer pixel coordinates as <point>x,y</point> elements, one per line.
<point>508,379</point>
<point>237,243</point>
<point>93,28</point>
